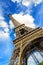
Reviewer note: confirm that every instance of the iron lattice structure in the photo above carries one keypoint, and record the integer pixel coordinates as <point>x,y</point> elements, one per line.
<point>27,41</point>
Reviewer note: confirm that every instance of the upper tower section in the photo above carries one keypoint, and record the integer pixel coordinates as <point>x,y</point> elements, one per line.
<point>15,23</point>
<point>20,29</point>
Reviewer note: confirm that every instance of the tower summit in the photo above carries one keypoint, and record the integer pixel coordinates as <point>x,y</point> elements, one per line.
<point>15,23</point>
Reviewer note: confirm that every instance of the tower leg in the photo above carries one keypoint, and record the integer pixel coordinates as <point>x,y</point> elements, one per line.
<point>12,62</point>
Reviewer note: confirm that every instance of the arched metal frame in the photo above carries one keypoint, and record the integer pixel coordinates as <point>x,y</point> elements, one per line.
<point>35,56</point>
<point>36,44</point>
<point>31,52</point>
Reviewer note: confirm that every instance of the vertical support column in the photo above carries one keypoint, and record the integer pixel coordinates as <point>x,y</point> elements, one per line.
<point>25,60</point>
<point>11,62</point>
<point>20,59</point>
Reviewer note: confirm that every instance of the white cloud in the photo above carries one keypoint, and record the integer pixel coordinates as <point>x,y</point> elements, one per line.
<point>1,18</point>
<point>3,34</point>
<point>28,2</point>
<point>3,24</point>
<point>16,0</point>
<point>36,2</point>
<point>4,27</point>
<point>25,19</point>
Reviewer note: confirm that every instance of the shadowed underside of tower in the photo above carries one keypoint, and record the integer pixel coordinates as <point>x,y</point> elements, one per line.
<point>27,39</point>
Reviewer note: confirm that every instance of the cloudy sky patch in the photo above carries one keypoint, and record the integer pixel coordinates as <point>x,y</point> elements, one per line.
<point>27,19</point>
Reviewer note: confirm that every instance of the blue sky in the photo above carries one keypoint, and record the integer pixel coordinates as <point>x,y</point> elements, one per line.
<point>29,12</point>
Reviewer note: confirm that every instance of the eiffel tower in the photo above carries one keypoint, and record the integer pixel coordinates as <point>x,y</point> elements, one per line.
<point>27,41</point>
